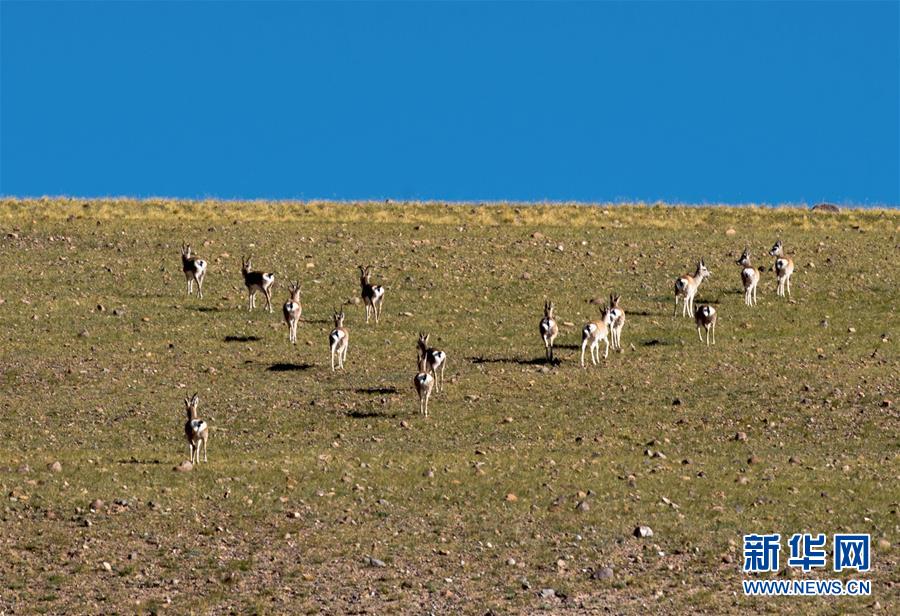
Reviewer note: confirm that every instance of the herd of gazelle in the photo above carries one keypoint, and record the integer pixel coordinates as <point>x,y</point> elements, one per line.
<point>431,361</point>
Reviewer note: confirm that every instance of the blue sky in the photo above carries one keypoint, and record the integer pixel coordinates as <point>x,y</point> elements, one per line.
<point>694,102</point>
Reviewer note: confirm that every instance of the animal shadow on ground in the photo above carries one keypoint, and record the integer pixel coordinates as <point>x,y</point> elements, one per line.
<point>534,361</point>
<point>134,460</point>
<point>242,338</point>
<point>206,308</point>
<point>282,367</point>
<point>375,391</point>
<point>371,415</point>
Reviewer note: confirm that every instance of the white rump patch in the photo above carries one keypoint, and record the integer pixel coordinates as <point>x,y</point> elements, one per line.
<point>379,291</point>
<point>749,272</point>
<point>269,277</point>
<point>589,328</point>
<point>781,264</point>
<point>709,311</point>
<point>422,378</point>
<point>198,426</point>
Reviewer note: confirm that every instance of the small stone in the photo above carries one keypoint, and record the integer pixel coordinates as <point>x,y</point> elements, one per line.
<point>884,544</point>
<point>793,460</point>
<point>375,562</point>
<point>101,308</point>
<point>184,467</point>
<point>740,436</point>
<point>643,532</point>
<point>56,467</point>
<point>537,235</point>
<point>752,460</point>
<point>428,473</point>
<point>404,424</point>
<point>507,420</point>
<point>603,573</point>
<point>294,515</point>
<point>96,504</point>
<point>511,498</point>
<point>107,566</point>
<point>728,558</point>
<point>886,404</point>
<point>852,330</point>
<point>547,593</point>
<point>730,232</point>
<point>511,562</point>
<point>583,506</point>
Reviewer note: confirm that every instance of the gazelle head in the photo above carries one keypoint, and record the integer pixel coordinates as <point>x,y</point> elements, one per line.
<point>614,301</point>
<point>702,271</point>
<point>421,360</point>
<point>423,342</point>
<point>190,405</point>
<point>777,249</point>
<point>548,309</point>
<point>294,290</point>
<point>364,273</point>
<point>745,258</point>
<point>245,264</point>
<point>185,250</point>
<point>338,318</point>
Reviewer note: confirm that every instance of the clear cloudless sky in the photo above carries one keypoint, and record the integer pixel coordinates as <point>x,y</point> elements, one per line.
<point>715,102</point>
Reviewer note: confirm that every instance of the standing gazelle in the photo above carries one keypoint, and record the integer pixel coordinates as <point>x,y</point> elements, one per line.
<point>705,318</point>
<point>257,281</point>
<point>435,361</point>
<point>423,384</point>
<point>196,430</point>
<point>686,286</point>
<point>749,278</point>
<point>784,267</point>
<point>592,334</point>
<point>292,311</point>
<point>194,269</point>
<point>616,321</point>
<point>339,340</point>
<point>549,329</point>
<point>372,295</point>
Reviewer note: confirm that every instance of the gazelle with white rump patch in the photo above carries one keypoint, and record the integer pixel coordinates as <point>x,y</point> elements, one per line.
<point>339,340</point>
<point>196,430</point>
<point>292,311</point>
<point>705,318</point>
<point>194,269</point>
<point>435,361</point>
<point>686,286</point>
<point>372,294</point>
<point>784,267</point>
<point>549,329</point>
<point>257,282</point>
<point>749,278</point>
<point>423,383</point>
<point>592,334</point>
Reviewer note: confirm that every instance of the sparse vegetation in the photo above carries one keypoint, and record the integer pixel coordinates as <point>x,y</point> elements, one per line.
<point>327,491</point>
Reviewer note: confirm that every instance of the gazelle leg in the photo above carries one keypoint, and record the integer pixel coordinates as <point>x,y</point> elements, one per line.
<point>788,283</point>
<point>583,344</point>
<point>190,286</point>
<point>332,359</point>
<point>675,311</point>
<point>606,352</point>
<point>713,332</point>
<point>205,453</point>
<point>699,334</point>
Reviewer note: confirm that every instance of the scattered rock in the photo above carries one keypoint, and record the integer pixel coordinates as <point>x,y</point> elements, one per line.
<point>375,562</point>
<point>740,436</point>
<point>511,562</point>
<point>107,566</point>
<point>97,505</point>
<point>826,207</point>
<point>730,232</point>
<point>511,498</point>
<point>603,573</point>
<point>643,532</point>
<point>56,467</point>
<point>184,467</point>
<point>583,506</point>
<point>547,593</point>
<point>537,235</point>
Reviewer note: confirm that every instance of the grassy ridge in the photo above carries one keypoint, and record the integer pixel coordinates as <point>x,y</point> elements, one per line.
<point>311,473</point>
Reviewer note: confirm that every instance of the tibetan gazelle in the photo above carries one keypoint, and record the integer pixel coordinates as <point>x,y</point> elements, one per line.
<point>339,340</point>
<point>705,318</point>
<point>749,278</point>
<point>423,383</point>
<point>372,295</point>
<point>592,334</point>
<point>616,321</point>
<point>686,286</point>
<point>257,281</point>
<point>549,329</point>
<point>196,430</point>
<point>194,269</point>
<point>435,361</point>
<point>292,311</point>
<point>784,267</point>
